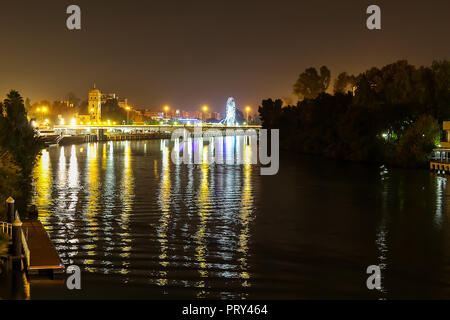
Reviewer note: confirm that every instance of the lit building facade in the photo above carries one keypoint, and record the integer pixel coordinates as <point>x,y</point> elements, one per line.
<point>95,105</point>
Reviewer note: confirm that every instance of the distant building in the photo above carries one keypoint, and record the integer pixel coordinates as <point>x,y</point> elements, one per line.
<point>155,115</point>
<point>215,115</point>
<point>95,105</point>
<point>191,114</point>
<point>66,103</point>
<point>122,102</point>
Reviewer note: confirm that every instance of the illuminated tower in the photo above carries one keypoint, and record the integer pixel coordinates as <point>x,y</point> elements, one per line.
<point>95,105</point>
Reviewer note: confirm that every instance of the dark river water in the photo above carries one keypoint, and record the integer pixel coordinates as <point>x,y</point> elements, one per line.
<point>141,227</point>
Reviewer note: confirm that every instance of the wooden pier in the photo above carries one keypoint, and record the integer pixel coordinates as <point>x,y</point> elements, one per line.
<point>440,161</point>
<point>440,166</point>
<point>30,248</point>
<point>44,260</point>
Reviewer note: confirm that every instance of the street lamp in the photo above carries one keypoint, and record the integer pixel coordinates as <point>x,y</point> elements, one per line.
<point>42,111</point>
<point>128,114</point>
<point>247,109</point>
<point>166,111</point>
<point>205,109</point>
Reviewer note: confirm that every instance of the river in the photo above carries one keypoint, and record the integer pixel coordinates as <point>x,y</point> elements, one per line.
<point>141,227</point>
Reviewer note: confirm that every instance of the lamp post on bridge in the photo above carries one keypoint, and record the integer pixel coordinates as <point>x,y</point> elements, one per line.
<point>128,114</point>
<point>205,110</point>
<point>247,109</point>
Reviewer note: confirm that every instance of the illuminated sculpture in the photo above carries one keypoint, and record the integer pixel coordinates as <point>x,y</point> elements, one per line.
<point>230,119</point>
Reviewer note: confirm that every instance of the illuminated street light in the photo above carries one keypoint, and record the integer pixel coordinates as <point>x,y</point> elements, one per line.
<point>247,109</point>
<point>205,109</point>
<point>42,111</point>
<point>166,109</point>
<point>128,114</point>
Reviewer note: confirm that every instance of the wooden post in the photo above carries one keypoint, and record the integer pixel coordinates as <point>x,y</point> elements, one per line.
<point>17,243</point>
<point>10,212</point>
<point>17,236</point>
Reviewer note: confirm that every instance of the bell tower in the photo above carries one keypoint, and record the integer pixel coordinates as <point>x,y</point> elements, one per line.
<point>95,105</point>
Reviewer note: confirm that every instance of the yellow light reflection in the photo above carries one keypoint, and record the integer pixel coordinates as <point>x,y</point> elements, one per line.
<point>127,196</point>
<point>43,178</point>
<point>245,218</point>
<point>204,212</point>
<point>164,204</point>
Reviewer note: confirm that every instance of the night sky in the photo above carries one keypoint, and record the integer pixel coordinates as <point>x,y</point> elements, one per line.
<point>189,53</point>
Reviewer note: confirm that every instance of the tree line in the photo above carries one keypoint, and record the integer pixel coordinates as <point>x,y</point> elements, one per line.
<point>391,115</point>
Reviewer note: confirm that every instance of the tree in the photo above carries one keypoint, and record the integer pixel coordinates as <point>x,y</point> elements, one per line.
<point>73,99</point>
<point>440,97</point>
<point>344,83</point>
<point>418,142</point>
<point>27,104</point>
<point>310,83</point>
<point>113,112</point>
<point>83,107</point>
<point>9,176</point>
<point>17,136</point>
<point>270,113</point>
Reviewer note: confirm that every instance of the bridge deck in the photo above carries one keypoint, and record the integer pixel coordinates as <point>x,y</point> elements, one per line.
<point>43,254</point>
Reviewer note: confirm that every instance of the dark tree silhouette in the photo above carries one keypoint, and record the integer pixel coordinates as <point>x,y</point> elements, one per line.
<point>310,83</point>
<point>394,117</point>
<point>344,83</point>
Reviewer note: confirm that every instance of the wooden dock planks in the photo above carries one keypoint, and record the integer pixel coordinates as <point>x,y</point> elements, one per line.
<point>43,254</point>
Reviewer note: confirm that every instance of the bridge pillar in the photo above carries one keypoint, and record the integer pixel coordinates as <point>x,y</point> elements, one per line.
<point>100,134</point>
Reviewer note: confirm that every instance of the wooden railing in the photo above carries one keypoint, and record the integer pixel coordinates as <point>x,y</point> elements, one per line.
<point>6,228</point>
<point>26,251</point>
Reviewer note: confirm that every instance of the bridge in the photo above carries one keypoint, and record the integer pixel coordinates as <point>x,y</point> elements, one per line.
<point>157,128</point>
<point>80,133</point>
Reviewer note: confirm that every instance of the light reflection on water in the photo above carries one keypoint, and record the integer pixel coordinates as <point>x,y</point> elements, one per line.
<point>125,209</point>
